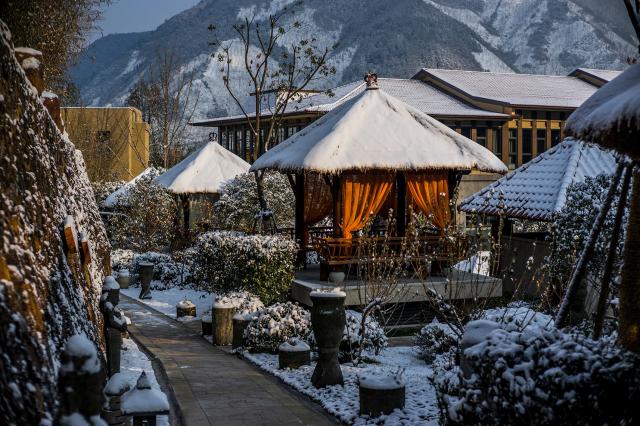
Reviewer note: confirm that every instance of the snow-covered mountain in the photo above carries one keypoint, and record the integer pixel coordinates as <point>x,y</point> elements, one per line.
<point>394,39</point>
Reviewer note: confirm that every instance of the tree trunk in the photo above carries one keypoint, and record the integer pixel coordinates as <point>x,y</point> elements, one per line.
<point>629,322</point>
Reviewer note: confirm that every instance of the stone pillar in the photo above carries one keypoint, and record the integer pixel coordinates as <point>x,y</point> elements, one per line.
<point>116,386</point>
<point>328,319</point>
<point>146,275</point>
<point>240,323</point>
<point>222,324</point>
<point>111,289</point>
<point>115,324</point>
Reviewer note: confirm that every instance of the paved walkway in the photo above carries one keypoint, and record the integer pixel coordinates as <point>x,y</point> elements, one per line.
<point>212,387</point>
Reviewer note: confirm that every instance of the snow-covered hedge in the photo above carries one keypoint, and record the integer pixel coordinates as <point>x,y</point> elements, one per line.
<point>435,339</point>
<point>275,325</point>
<point>243,301</point>
<point>238,204</point>
<point>231,261</point>
<point>167,272</point>
<point>543,376</point>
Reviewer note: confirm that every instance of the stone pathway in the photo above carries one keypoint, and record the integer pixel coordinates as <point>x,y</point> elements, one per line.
<point>212,387</point>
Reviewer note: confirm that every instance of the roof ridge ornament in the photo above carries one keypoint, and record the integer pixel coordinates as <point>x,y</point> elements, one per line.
<point>372,81</point>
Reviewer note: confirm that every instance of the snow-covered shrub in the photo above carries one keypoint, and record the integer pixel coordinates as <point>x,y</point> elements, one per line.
<point>571,229</point>
<point>435,339</point>
<point>167,272</point>
<point>245,302</point>
<point>101,190</point>
<point>275,325</point>
<point>121,259</point>
<point>542,377</point>
<point>238,204</point>
<point>146,221</point>
<point>374,338</point>
<point>231,261</point>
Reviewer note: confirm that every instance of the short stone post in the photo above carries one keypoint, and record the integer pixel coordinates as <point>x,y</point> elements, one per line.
<point>81,379</point>
<point>124,277</point>
<point>328,319</point>
<point>207,327</point>
<point>143,403</point>
<point>146,275</point>
<point>381,395</point>
<point>293,353</point>
<point>240,323</point>
<point>111,288</point>
<point>222,323</point>
<point>115,324</point>
<point>185,308</point>
<point>116,386</point>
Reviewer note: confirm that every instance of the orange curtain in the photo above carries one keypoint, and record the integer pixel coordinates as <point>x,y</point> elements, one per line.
<point>362,196</point>
<point>429,192</point>
<point>317,199</point>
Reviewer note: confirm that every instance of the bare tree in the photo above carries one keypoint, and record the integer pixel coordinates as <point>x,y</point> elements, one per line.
<point>275,62</point>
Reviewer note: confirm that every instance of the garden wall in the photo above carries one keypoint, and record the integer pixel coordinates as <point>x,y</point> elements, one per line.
<point>45,294</point>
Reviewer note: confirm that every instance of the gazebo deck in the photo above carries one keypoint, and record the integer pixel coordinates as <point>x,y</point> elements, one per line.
<point>457,285</point>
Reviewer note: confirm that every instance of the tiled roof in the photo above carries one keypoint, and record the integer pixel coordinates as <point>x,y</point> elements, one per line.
<point>517,89</point>
<point>604,75</point>
<point>537,189</point>
<point>416,93</point>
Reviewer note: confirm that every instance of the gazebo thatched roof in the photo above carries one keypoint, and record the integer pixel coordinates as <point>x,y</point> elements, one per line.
<point>375,131</point>
<point>204,171</point>
<point>611,116</point>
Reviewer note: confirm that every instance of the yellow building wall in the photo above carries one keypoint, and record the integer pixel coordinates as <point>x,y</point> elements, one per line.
<point>113,140</point>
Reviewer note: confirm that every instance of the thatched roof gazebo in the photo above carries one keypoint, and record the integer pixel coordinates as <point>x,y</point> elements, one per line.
<point>373,151</point>
<point>201,173</point>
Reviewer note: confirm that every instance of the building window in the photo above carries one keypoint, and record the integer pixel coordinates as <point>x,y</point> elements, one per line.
<point>527,145</point>
<point>555,137</point>
<point>497,142</point>
<point>281,134</point>
<point>466,132</point>
<point>231,139</point>
<point>247,143</point>
<point>239,139</point>
<point>481,136</point>
<point>223,139</point>
<point>541,140</point>
<point>513,148</point>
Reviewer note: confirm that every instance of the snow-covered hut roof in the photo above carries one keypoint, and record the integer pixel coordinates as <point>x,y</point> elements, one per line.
<point>374,130</point>
<point>516,90</point>
<point>611,117</point>
<point>204,171</point>
<point>538,189</point>
<point>119,196</point>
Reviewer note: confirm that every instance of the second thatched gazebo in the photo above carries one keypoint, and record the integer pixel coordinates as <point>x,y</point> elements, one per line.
<point>370,153</point>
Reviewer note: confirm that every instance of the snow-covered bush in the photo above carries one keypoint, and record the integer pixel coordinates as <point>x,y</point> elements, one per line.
<point>231,261</point>
<point>243,301</point>
<point>435,339</point>
<point>374,338</point>
<point>275,325</point>
<point>101,190</point>
<point>121,259</point>
<point>146,221</point>
<point>542,377</point>
<point>167,271</point>
<point>238,204</point>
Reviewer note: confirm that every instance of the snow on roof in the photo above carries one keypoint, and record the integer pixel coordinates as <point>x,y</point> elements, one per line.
<point>119,196</point>
<point>604,75</point>
<point>204,171</point>
<point>538,189</point>
<point>416,93</point>
<point>374,130</point>
<point>611,117</point>
<point>517,89</point>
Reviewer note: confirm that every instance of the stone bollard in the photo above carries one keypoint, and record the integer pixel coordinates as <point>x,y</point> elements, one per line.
<point>115,324</point>
<point>474,333</point>
<point>328,319</point>
<point>116,386</point>
<point>143,403</point>
<point>31,62</point>
<point>293,353</point>
<point>81,379</point>
<point>185,308</point>
<point>381,395</point>
<point>124,278</point>
<point>112,289</point>
<point>146,275</point>
<point>240,323</point>
<point>222,323</point>
<point>207,327</point>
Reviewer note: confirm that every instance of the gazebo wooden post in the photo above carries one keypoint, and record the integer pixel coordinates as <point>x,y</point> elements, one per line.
<point>401,213</point>
<point>300,228</point>
<point>186,210</point>
<point>335,195</point>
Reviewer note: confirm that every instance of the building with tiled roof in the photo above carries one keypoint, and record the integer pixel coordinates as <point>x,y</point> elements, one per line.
<point>538,190</point>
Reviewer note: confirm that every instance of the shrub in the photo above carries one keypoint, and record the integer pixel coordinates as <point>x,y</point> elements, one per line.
<point>101,190</point>
<point>230,261</point>
<point>436,339</point>
<point>543,376</point>
<point>167,272</point>
<point>374,337</point>
<point>275,325</point>
<point>121,259</point>
<point>238,204</point>
<point>245,302</point>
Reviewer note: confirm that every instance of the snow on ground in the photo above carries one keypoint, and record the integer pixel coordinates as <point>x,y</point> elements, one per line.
<point>165,301</point>
<point>421,406</point>
<point>132,363</point>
